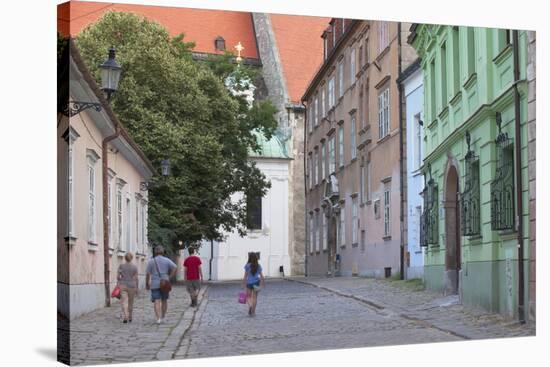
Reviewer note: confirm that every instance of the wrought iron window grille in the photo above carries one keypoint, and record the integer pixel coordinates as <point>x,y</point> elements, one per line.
<point>470,197</point>
<point>502,187</point>
<point>429,220</point>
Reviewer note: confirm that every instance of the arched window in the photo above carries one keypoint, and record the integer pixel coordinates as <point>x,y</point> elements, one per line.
<point>219,43</point>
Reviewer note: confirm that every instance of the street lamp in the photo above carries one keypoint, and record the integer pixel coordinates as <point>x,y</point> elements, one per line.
<point>165,172</point>
<point>110,76</point>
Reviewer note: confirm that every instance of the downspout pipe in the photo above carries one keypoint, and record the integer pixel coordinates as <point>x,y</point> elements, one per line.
<point>305,191</point>
<point>401,159</point>
<point>519,183</point>
<point>106,232</point>
<point>211,257</point>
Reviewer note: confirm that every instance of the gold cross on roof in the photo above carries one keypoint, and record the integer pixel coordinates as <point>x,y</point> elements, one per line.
<point>239,48</point>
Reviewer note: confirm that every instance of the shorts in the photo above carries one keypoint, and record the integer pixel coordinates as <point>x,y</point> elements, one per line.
<point>156,294</point>
<point>251,285</point>
<point>193,285</point>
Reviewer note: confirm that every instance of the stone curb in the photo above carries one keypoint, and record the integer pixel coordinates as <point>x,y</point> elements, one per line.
<point>183,347</point>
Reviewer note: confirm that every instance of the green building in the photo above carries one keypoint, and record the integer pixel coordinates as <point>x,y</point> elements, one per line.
<point>476,164</point>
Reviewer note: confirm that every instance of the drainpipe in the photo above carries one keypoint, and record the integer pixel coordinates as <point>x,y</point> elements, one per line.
<point>305,189</point>
<point>401,158</point>
<point>106,232</point>
<point>519,183</point>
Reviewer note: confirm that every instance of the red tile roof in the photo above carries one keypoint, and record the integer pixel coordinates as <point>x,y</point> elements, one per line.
<point>300,48</point>
<point>298,37</point>
<point>199,26</point>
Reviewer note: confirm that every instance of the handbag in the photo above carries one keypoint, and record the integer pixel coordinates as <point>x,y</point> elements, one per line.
<point>116,292</point>
<point>242,297</point>
<point>165,286</point>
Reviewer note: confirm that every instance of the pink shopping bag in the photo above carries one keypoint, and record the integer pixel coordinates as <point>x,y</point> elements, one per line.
<point>242,297</point>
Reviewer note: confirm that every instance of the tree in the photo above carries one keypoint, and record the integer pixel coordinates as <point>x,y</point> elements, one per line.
<point>181,109</point>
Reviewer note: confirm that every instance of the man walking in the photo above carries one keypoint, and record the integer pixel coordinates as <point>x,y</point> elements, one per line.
<point>159,267</point>
<point>193,275</point>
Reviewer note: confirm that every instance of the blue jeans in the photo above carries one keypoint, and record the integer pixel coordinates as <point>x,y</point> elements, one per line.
<point>156,294</point>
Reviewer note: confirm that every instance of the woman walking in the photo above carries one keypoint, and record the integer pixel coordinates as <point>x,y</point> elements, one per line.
<point>254,280</point>
<point>128,283</point>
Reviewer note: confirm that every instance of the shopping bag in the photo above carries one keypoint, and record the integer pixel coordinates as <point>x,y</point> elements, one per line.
<point>116,292</point>
<point>242,297</point>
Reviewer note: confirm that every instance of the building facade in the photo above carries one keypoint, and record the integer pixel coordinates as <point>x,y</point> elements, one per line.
<point>475,221</point>
<point>270,43</point>
<point>352,145</point>
<point>411,81</point>
<point>81,233</point>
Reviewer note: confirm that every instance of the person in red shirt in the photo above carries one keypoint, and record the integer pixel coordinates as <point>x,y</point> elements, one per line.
<point>193,275</point>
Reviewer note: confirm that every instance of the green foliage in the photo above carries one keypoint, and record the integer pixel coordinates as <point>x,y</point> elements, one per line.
<point>178,108</point>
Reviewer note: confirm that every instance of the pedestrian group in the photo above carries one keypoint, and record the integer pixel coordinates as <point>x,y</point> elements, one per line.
<point>160,269</point>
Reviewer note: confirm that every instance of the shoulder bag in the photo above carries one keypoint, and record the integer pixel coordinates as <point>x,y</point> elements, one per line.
<point>165,286</point>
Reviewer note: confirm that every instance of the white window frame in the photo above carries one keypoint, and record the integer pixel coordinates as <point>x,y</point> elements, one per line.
<point>323,101</point>
<point>317,231</point>
<point>310,119</point>
<point>362,185</point>
<point>120,214</point>
<point>342,227</point>
<point>316,111</point>
<point>110,205</point>
<point>352,66</point>
<point>331,96</point>
<point>332,154</point>
<point>354,221</point>
<point>353,134</point>
<point>128,229</point>
<point>387,211</point>
<point>137,242</point>
<point>341,146</point>
<point>311,240</point>
<point>369,180</point>
<point>310,171</point>
<point>71,139</point>
<point>92,158</point>
<point>316,166</point>
<point>384,113</point>
<point>341,78</point>
<point>383,36</point>
<point>323,161</point>
<point>324,229</point>
<point>417,142</point>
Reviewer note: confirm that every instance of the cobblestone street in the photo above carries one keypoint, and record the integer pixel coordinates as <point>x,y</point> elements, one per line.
<point>297,314</point>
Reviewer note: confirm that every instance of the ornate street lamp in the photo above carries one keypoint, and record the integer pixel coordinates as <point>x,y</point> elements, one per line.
<point>110,76</point>
<point>165,172</point>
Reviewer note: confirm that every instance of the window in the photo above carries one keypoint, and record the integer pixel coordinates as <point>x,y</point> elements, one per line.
<point>137,242</point>
<point>376,209</point>
<point>341,78</point>
<point>444,75</point>
<point>219,43</point>
<point>432,90</point>
<point>323,161</point>
<point>354,222</point>
<point>144,219</point>
<point>352,71</point>
<point>92,157</point>
<point>384,113</point>
<point>360,57</point>
<point>310,171</point>
<point>324,229</point>
<point>119,216</point>
<point>341,146</point>
<point>331,98</point>
<point>310,119</point>
<point>353,138</point>
<point>417,145</point>
<point>456,61</point>
<point>429,221</point>
<point>110,210</point>
<point>311,243</point>
<point>470,197</point>
<point>71,138</point>
<point>369,180</point>
<point>367,50</point>
<point>362,184</point>
<point>127,214</point>
<point>361,114</point>
<point>316,166</point>
<point>342,227</point>
<point>317,232</point>
<point>343,26</point>
<point>333,30</point>
<point>323,101</point>
<point>470,39</point>
<point>325,47</point>
<point>331,157</point>
<point>254,212</point>
<point>383,36</point>
<point>316,111</point>
<point>363,240</point>
<point>387,229</point>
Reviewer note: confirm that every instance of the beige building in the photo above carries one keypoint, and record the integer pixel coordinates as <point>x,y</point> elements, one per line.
<point>353,137</point>
<point>83,226</point>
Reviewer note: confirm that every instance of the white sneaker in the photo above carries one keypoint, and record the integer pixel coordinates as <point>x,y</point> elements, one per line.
<point>159,321</point>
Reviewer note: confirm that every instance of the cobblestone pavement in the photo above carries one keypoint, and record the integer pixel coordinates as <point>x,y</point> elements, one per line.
<point>100,337</point>
<point>296,314</point>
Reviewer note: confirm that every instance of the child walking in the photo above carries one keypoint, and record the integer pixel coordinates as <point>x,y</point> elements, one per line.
<point>254,280</point>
